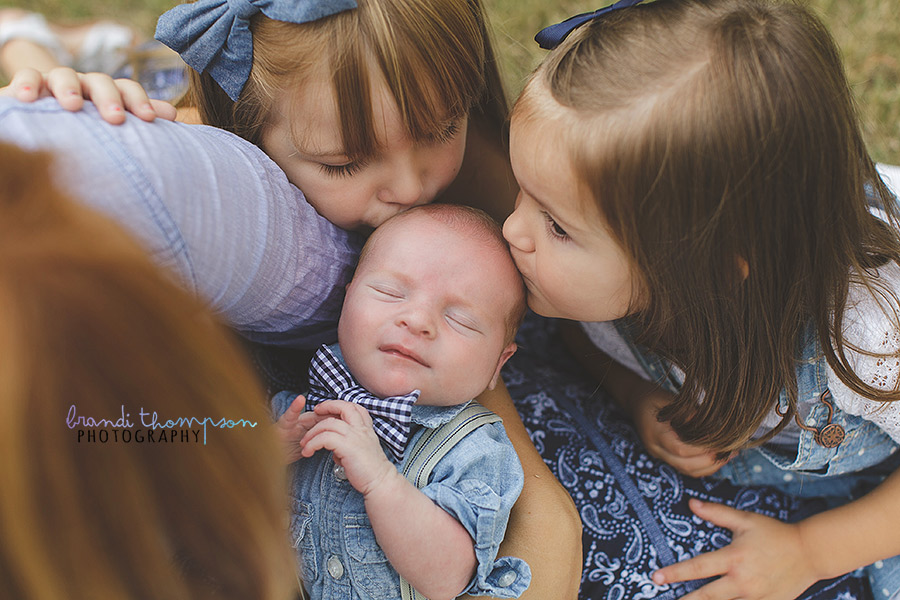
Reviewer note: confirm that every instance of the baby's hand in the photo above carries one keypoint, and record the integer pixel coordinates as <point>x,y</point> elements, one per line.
<point>112,97</point>
<point>291,428</point>
<point>662,442</point>
<point>346,429</point>
<point>766,559</point>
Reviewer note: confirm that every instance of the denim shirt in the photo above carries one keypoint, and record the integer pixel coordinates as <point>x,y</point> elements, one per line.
<point>864,445</point>
<point>477,483</point>
<point>210,207</point>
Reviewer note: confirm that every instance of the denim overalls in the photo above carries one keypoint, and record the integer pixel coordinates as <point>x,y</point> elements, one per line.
<point>839,474</point>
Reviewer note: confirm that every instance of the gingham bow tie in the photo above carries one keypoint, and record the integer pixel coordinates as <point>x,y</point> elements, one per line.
<point>329,379</point>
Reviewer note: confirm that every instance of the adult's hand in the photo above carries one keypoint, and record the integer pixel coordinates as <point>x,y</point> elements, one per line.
<point>113,97</point>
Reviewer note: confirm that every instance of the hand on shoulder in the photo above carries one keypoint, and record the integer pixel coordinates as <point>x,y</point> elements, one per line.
<point>113,97</point>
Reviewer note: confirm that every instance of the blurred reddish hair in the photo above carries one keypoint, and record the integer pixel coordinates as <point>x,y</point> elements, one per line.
<point>88,320</point>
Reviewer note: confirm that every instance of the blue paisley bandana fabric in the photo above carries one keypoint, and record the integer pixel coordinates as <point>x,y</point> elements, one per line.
<point>634,508</point>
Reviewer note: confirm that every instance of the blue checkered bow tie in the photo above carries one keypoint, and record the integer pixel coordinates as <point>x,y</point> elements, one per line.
<point>329,379</point>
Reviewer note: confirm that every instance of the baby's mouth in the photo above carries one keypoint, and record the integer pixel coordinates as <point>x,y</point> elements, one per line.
<point>404,353</point>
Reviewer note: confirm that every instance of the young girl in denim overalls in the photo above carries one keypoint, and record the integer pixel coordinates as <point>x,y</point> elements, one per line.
<point>695,191</point>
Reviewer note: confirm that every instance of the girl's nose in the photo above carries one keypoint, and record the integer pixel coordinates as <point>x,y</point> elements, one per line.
<point>516,232</point>
<point>405,186</point>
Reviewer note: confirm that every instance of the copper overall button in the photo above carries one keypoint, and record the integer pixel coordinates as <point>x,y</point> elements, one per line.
<point>830,436</point>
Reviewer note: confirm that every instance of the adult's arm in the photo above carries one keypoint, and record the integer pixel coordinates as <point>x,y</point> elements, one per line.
<point>210,207</point>
<point>544,527</point>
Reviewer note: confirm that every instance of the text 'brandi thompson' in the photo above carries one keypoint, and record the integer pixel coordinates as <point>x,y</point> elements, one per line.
<point>151,428</point>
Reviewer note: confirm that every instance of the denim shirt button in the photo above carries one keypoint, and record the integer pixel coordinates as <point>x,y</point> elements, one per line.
<point>339,473</point>
<point>506,579</point>
<point>335,568</point>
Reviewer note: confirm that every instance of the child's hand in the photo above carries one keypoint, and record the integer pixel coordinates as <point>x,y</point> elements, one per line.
<point>292,426</point>
<point>662,442</point>
<point>766,559</point>
<point>112,97</point>
<point>346,429</point>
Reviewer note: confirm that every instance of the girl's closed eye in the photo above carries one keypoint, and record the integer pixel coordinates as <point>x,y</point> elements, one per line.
<point>447,135</point>
<point>554,229</point>
<point>345,170</point>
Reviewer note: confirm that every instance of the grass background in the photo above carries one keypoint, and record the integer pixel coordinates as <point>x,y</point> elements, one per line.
<point>867,31</point>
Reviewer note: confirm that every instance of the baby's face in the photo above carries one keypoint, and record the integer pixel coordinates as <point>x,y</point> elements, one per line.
<point>427,310</point>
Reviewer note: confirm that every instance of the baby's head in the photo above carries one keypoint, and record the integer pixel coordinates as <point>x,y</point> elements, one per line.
<point>434,305</point>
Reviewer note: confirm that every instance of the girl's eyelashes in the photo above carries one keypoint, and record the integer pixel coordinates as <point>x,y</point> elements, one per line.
<point>553,227</point>
<point>345,170</point>
<point>447,134</point>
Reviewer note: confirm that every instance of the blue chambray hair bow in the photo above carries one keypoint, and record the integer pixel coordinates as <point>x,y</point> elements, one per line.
<point>214,35</point>
<point>550,37</point>
<point>329,379</point>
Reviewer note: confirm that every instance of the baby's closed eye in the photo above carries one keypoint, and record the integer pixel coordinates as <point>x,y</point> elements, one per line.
<point>463,323</point>
<point>387,292</point>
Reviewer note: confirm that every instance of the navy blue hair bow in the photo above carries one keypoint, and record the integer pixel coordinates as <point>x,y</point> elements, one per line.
<point>214,35</point>
<point>550,37</point>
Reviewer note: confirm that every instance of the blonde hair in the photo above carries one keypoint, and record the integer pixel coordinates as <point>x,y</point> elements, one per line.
<point>472,222</point>
<point>435,56</point>
<point>90,323</point>
<point>710,133</point>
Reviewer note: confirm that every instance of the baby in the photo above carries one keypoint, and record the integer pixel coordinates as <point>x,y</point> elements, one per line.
<point>428,321</point>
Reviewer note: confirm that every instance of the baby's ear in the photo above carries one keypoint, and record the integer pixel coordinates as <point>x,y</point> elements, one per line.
<point>504,356</point>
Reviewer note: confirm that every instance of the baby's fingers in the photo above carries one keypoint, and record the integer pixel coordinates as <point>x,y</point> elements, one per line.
<point>322,433</point>
<point>309,419</point>
<point>351,413</point>
<point>322,439</point>
<point>296,407</point>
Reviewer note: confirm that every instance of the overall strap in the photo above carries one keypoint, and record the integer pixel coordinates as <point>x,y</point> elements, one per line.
<point>431,447</point>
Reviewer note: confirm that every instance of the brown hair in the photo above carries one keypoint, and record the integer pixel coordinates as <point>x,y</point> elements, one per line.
<point>711,132</point>
<point>91,326</point>
<point>435,56</point>
<point>474,223</point>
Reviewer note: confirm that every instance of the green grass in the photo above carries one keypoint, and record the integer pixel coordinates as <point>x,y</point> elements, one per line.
<point>867,31</point>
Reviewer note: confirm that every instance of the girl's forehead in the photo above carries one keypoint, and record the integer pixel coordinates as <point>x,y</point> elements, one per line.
<point>311,113</point>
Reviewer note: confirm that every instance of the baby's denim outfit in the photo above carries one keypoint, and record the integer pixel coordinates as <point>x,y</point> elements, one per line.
<point>477,482</point>
<point>859,463</point>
